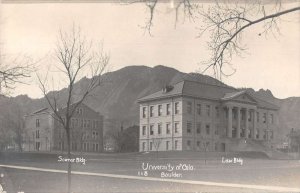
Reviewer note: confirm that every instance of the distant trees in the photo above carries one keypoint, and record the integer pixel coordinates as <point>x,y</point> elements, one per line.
<point>76,57</point>
<point>125,140</point>
<point>11,125</point>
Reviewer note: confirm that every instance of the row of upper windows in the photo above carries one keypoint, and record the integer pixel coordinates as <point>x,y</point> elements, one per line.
<point>176,128</point>
<point>85,123</point>
<point>199,110</point>
<point>160,110</point>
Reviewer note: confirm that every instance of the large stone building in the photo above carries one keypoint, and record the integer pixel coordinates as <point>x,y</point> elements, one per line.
<point>43,132</point>
<point>204,117</point>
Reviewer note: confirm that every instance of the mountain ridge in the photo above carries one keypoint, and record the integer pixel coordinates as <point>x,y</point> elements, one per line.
<point>117,98</point>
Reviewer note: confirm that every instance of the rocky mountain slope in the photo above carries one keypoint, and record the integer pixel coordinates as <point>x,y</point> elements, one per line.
<point>116,98</point>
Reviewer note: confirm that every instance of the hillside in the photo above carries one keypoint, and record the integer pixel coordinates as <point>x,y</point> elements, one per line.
<point>116,98</point>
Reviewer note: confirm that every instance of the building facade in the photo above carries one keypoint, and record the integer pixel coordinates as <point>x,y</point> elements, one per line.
<point>203,117</point>
<point>43,131</point>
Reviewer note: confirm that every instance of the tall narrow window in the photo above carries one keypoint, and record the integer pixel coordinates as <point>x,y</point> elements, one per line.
<point>168,129</point>
<point>144,146</point>
<point>199,109</point>
<point>176,127</point>
<point>189,107</point>
<point>37,122</point>
<point>257,117</point>
<point>168,109</point>
<point>159,110</point>
<point>208,110</point>
<point>167,145</point>
<point>189,127</point>
<point>144,112</point>
<point>151,129</point>
<point>176,144</point>
<point>159,129</point>
<point>177,108</point>
<point>144,130</point>
<point>151,145</point>
<point>151,111</point>
<point>207,127</point>
<point>217,111</point>
<point>198,128</point>
<point>271,118</point>
<point>264,117</point>
<point>37,134</point>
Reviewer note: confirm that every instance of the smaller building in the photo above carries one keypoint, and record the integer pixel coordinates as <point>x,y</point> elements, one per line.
<point>43,131</point>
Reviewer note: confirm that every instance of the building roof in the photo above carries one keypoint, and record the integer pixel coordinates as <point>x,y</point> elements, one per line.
<point>204,90</point>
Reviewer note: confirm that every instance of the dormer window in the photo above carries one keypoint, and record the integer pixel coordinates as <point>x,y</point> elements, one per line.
<point>167,88</point>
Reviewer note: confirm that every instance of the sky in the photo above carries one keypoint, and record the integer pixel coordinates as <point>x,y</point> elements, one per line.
<point>31,29</point>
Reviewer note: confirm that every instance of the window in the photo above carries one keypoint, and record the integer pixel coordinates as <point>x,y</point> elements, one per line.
<point>207,127</point>
<point>79,111</point>
<point>208,110</point>
<point>88,123</point>
<point>217,112</point>
<point>176,144</point>
<point>159,110</point>
<point>176,127</point>
<point>189,127</point>
<point>144,146</point>
<point>95,147</point>
<point>264,118</point>
<point>151,129</point>
<point>168,109</point>
<point>37,146</point>
<point>199,109</point>
<point>168,130</point>
<point>144,130</point>
<point>159,129</point>
<point>271,118</point>
<point>167,145</point>
<point>188,142</point>
<point>217,130</point>
<point>151,145</point>
<point>37,123</point>
<point>249,116</point>
<point>189,107</point>
<point>85,123</point>
<point>37,134</point>
<point>177,108</point>
<point>198,128</point>
<point>257,117</point>
<point>198,144</point>
<point>95,134</point>
<point>144,112</point>
<point>151,111</point>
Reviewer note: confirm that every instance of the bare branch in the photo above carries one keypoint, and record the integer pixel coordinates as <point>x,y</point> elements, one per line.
<point>226,26</point>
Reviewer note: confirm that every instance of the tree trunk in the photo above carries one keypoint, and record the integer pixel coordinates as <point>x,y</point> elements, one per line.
<point>69,163</point>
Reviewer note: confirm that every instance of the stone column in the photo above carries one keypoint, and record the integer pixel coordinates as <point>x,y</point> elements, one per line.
<point>238,131</point>
<point>246,123</point>
<point>254,124</point>
<point>229,126</point>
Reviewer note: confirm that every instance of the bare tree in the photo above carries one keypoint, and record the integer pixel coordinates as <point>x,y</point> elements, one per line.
<point>76,57</point>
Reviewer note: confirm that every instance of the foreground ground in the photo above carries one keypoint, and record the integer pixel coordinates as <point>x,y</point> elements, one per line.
<point>126,173</point>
